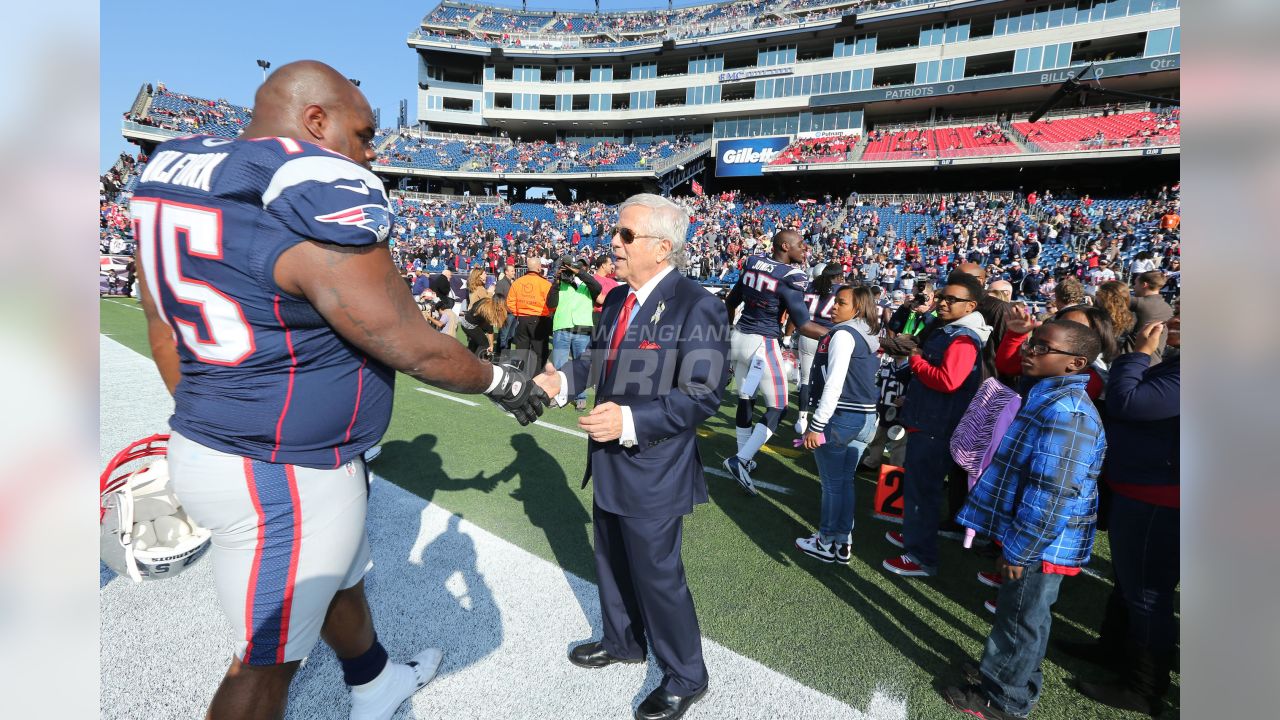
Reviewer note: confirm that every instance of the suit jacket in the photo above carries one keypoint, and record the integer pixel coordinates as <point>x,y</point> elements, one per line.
<point>670,372</point>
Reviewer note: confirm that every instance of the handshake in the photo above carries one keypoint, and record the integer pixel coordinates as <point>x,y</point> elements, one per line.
<point>525,397</point>
<point>515,392</point>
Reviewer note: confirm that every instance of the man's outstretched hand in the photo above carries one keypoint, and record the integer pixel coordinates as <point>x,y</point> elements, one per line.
<point>549,381</point>
<point>517,394</point>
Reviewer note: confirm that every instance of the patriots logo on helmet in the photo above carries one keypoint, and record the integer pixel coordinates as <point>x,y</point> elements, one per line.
<point>372,217</point>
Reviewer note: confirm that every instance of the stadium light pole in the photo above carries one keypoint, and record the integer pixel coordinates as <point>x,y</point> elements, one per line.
<point>264,65</point>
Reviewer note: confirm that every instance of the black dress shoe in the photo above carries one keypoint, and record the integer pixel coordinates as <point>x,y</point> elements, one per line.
<point>662,705</point>
<point>593,655</point>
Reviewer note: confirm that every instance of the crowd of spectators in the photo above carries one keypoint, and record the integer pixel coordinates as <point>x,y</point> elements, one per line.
<point>514,28</point>
<point>533,30</point>
<point>832,148</point>
<point>187,114</point>
<point>1034,242</point>
<point>537,156</point>
<point>1105,129</point>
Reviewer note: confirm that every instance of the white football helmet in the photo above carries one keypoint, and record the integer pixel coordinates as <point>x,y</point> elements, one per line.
<point>145,534</point>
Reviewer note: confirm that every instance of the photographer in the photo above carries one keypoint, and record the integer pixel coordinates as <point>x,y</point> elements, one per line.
<point>572,296</point>
<point>913,316</point>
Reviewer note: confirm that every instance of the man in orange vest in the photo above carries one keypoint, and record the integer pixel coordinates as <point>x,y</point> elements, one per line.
<point>527,302</point>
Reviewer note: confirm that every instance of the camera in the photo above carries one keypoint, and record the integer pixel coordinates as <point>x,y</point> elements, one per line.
<point>570,268</point>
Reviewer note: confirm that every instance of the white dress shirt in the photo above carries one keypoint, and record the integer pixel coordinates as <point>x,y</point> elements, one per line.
<point>628,437</point>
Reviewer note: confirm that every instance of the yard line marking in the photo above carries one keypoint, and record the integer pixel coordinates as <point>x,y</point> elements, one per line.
<point>565,430</point>
<point>550,426</point>
<point>446,396</point>
<point>758,483</point>
<point>122,304</point>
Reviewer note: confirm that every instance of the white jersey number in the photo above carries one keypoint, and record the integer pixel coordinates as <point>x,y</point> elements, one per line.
<point>229,338</point>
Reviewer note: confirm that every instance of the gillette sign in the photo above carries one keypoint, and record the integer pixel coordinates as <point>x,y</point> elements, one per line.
<point>741,158</point>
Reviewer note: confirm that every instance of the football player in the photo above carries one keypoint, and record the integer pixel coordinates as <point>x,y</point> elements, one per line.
<point>767,288</point>
<point>277,320</point>
<point>819,299</point>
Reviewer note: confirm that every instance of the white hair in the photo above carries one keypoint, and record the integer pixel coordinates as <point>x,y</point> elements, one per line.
<point>666,220</point>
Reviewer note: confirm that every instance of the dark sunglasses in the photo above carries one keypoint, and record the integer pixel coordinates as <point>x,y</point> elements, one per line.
<point>1036,349</point>
<point>952,299</point>
<point>628,235</point>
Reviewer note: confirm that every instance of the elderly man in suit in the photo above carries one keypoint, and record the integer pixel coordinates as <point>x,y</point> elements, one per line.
<point>657,359</point>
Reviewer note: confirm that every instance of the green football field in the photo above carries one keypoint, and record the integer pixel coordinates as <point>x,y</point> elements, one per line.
<point>845,631</point>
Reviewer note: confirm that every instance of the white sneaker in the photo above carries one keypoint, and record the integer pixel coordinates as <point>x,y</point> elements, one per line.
<point>379,698</point>
<point>813,547</point>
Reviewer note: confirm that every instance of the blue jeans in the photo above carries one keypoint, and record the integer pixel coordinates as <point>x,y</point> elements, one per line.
<point>1015,647</point>
<point>927,463</point>
<point>566,346</point>
<point>1145,554</point>
<point>507,332</point>
<point>847,436</point>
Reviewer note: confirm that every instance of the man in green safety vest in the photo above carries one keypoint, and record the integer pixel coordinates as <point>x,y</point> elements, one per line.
<point>572,296</point>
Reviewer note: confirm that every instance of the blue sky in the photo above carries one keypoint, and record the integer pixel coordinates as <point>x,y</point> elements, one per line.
<point>209,50</point>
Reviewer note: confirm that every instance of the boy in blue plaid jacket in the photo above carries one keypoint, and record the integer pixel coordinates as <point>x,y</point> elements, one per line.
<point>1039,498</point>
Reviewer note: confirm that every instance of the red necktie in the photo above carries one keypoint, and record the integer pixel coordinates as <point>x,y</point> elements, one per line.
<point>619,330</point>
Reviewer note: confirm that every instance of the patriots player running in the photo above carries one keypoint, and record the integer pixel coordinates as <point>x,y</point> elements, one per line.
<point>768,287</point>
<point>277,320</point>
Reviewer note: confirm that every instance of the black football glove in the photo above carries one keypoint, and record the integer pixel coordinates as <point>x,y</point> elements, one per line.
<point>517,394</point>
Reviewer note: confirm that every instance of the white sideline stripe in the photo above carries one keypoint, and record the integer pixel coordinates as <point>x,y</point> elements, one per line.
<point>579,434</point>
<point>504,617</point>
<point>446,396</point>
<point>123,304</point>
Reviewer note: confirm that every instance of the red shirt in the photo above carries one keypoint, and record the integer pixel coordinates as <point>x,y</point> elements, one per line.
<point>957,363</point>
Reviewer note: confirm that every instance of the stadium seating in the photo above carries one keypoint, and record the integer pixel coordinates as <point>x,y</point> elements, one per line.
<point>450,15</point>
<point>911,144</point>
<point>187,114</point>
<point>971,140</point>
<point>1113,131</point>
<point>827,149</point>
<point>505,27</point>
<point>494,155</point>
<point>509,21</point>
<point>926,142</point>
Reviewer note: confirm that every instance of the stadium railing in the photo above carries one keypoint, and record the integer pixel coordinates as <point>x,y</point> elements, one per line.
<point>441,197</point>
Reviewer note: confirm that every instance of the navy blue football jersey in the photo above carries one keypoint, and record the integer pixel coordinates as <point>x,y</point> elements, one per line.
<point>766,289</point>
<point>888,378</point>
<point>263,375</point>
<point>820,306</point>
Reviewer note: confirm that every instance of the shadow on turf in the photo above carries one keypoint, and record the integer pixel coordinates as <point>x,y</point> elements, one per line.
<point>553,506</point>
<point>417,467</point>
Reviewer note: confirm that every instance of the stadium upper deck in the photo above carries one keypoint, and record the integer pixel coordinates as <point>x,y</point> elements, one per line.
<point>698,69</point>
<point>731,90</point>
